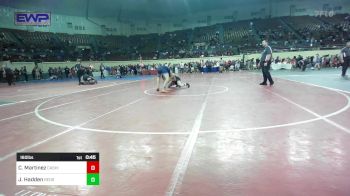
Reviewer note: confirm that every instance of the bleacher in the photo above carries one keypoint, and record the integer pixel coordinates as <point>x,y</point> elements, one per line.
<point>5,37</point>
<point>75,40</point>
<point>243,36</point>
<point>205,34</point>
<point>236,32</point>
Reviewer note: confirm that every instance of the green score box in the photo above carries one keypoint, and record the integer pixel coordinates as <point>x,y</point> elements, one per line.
<point>93,179</point>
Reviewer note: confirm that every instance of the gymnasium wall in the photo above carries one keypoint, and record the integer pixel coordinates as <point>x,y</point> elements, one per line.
<point>245,11</point>
<point>296,53</point>
<point>45,65</point>
<point>126,25</point>
<point>59,23</point>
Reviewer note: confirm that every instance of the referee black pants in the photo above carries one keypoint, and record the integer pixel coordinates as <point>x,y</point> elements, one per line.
<point>266,72</point>
<point>345,66</point>
<point>79,74</point>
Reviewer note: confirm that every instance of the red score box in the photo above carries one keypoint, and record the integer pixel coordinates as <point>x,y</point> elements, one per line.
<point>93,167</point>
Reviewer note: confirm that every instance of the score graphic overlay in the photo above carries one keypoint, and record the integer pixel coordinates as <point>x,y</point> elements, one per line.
<point>57,169</point>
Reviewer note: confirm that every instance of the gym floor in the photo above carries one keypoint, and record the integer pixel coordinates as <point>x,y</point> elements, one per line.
<point>225,135</point>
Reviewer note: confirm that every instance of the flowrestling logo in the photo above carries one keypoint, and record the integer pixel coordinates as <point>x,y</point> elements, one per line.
<point>33,18</point>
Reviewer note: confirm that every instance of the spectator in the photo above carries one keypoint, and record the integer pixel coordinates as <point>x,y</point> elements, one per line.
<point>33,73</point>
<point>102,69</point>
<point>66,71</point>
<point>9,76</point>
<point>24,73</point>
<point>16,75</point>
<point>317,62</point>
<point>60,73</point>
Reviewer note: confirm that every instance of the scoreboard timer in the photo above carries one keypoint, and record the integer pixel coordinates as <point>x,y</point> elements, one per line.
<point>58,169</point>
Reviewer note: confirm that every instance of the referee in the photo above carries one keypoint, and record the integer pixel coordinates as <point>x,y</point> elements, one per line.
<point>265,62</point>
<point>345,58</point>
<point>80,71</point>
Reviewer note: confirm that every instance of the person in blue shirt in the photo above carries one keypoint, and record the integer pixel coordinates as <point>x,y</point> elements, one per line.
<point>164,73</point>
